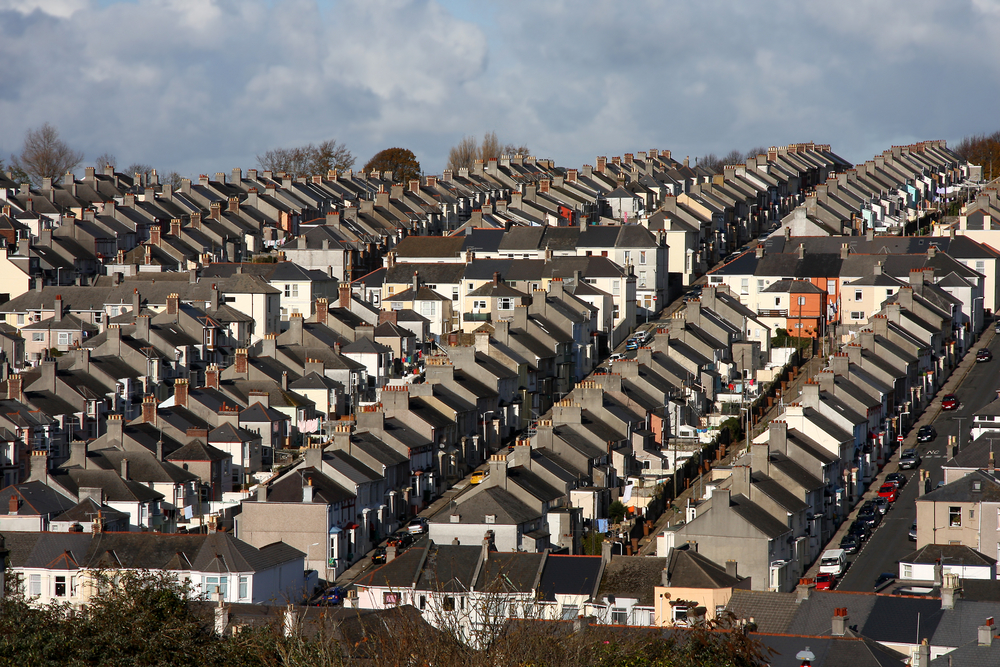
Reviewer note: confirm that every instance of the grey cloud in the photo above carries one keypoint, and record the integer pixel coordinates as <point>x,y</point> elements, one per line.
<point>204,86</point>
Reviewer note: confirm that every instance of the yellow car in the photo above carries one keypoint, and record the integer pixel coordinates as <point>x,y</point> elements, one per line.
<point>477,477</point>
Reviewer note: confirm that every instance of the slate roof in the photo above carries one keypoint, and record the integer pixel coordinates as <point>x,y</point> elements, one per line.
<point>198,451</point>
<point>449,568</point>
<point>962,490</point>
<point>402,571</point>
<point>218,551</point>
<point>773,612</point>
<point>86,511</point>
<point>569,575</point>
<point>499,502</point>
<point>689,569</point>
<point>757,516</point>
<point>509,572</point>
<point>35,498</point>
<point>931,554</point>
<point>847,651</point>
<point>632,577</point>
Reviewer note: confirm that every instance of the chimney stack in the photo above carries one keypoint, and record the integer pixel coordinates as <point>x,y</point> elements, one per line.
<point>149,409</point>
<point>172,303</point>
<point>322,310</point>
<point>181,392</point>
<point>839,622</point>
<point>212,376</point>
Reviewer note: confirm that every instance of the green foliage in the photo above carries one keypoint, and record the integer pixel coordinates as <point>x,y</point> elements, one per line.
<point>134,620</point>
<point>593,543</point>
<point>783,339</point>
<point>146,619</point>
<point>400,161</point>
<point>735,427</point>
<point>617,511</point>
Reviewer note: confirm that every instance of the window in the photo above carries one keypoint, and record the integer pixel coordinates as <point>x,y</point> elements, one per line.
<point>98,318</point>
<point>802,301</point>
<point>428,308</point>
<point>980,266</point>
<point>907,571</point>
<point>756,333</point>
<point>616,287</point>
<point>760,285</point>
<point>534,287</point>
<point>679,614</point>
<point>972,514</point>
<point>857,315</point>
<point>390,599</point>
<point>35,584</point>
<point>831,286</point>
<point>505,303</point>
<point>391,290</point>
<point>115,312</point>
<point>64,338</point>
<point>858,295</point>
<point>798,325</point>
<point>715,280</point>
<point>212,586</point>
<point>642,279</point>
<point>448,604</point>
<point>628,256</point>
<point>570,612</point>
<point>471,287</point>
<point>955,517</point>
<point>480,304</point>
<point>454,294</point>
<point>777,301</point>
<point>20,319</point>
<point>423,602</point>
<point>744,286</point>
<point>619,616</point>
<point>37,336</point>
<point>244,587</point>
<point>60,587</point>
<point>642,256</point>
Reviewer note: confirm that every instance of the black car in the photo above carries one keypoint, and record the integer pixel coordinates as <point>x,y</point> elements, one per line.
<point>860,530</point>
<point>984,355</point>
<point>378,556</point>
<point>926,433</point>
<point>850,543</point>
<point>898,478</point>
<point>870,517</point>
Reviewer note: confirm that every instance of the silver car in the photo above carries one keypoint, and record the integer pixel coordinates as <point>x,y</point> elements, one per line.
<point>881,504</point>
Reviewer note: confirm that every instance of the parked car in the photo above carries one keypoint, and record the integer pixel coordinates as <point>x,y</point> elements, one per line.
<point>884,580</point>
<point>418,526</point>
<point>378,556</point>
<point>400,540</point>
<point>478,477</point>
<point>984,355</point>
<point>860,530</point>
<point>913,532</point>
<point>996,328</point>
<point>332,596</point>
<point>825,581</point>
<point>870,516</point>
<point>889,492</point>
<point>897,478</point>
<point>616,356</point>
<point>850,543</point>
<point>925,434</point>
<point>949,402</point>
<point>882,504</point>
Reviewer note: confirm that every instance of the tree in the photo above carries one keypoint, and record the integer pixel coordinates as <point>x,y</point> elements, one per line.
<point>400,161</point>
<point>45,155</point>
<point>982,150</point>
<point>755,151</point>
<point>617,511</point>
<point>308,159</point>
<point>710,162</point>
<point>103,160</point>
<point>465,153</point>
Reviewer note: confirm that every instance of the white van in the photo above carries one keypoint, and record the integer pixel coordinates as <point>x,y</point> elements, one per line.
<point>833,561</point>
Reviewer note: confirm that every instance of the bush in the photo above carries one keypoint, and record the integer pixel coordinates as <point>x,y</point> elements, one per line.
<point>617,511</point>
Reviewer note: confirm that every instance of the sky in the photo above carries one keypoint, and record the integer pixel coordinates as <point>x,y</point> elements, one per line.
<point>200,86</point>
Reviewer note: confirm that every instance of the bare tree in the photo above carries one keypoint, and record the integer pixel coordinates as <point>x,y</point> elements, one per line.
<point>104,160</point>
<point>710,162</point>
<point>308,159</point>
<point>45,155</point>
<point>755,151</point>
<point>463,154</point>
<point>173,179</point>
<point>732,157</point>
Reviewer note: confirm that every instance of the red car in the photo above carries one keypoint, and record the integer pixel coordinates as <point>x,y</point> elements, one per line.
<point>949,402</point>
<point>889,492</point>
<point>825,581</point>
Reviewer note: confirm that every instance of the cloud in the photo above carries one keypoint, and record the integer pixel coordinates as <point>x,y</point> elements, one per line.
<point>204,85</point>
